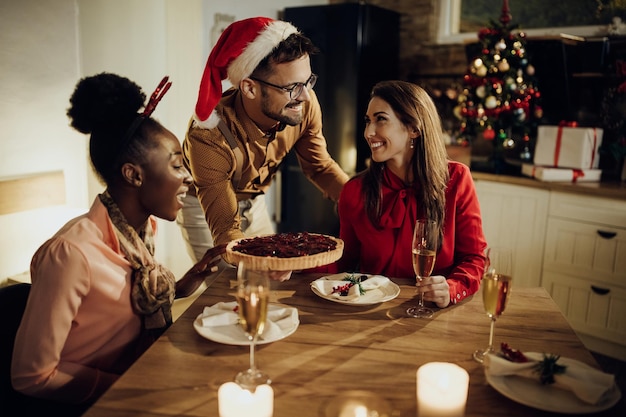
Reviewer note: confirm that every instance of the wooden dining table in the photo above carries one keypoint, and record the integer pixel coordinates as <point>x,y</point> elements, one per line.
<point>339,348</point>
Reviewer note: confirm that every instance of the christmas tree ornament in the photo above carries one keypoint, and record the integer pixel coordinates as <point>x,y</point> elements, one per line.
<point>489,133</point>
<point>525,154</point>
<point>508,143</point>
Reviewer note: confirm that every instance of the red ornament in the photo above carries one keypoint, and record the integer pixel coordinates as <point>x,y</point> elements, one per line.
<point>489,133</point>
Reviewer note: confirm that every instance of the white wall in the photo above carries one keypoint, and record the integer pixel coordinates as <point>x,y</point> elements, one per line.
<point>145,40</point>
<point>47,45</point>
<point>38,71</point>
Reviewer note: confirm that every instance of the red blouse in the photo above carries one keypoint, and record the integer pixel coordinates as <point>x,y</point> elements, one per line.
<point>387,251</point>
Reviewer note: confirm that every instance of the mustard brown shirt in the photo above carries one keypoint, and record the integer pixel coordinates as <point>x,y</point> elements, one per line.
<point>212,163</point>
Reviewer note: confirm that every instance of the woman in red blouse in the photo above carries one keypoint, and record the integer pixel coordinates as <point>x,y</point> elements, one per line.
<point>410,177</point>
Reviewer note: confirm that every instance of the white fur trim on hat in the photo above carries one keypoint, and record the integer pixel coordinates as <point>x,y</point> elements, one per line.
<point>257,50</point>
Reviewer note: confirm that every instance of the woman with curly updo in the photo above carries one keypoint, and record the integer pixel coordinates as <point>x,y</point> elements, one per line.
<point>98,297</point>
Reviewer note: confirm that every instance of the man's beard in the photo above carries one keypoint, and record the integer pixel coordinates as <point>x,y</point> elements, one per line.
<point>291,121</point>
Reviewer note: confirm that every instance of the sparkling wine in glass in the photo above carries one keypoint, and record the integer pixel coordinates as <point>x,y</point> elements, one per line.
<point>424,254</point>
<point>253,290</point>
<point>496,288</point>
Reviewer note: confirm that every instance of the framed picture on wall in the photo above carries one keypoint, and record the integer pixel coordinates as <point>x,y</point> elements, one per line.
<point>460,20</point>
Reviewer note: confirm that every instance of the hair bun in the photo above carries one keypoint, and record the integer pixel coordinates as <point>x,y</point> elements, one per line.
<point>104,102</point>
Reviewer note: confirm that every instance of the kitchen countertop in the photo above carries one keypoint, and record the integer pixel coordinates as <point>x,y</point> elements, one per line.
<point>613,190</point>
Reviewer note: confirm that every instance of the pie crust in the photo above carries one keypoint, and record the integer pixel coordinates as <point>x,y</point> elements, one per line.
<point>276,263</point>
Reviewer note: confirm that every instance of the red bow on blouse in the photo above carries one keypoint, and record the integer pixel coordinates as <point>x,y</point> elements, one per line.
<point>397,200</point>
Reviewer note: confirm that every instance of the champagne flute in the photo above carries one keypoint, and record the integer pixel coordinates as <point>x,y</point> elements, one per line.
<point>424,253</point>
<point>496,287</point>
<point>253,290</point>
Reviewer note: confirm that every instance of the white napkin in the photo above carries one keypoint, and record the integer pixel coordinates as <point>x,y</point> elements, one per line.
<point>223,315</point>
<point>325,286</point>
<point>587,383</point>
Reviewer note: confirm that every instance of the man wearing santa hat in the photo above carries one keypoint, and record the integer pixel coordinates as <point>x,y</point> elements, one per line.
<point>237,139</point>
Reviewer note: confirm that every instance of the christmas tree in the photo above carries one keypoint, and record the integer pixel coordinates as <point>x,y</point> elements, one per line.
<point>499,104</point>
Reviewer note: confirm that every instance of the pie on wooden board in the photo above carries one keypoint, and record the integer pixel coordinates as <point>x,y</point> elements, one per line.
<point>289,251</point>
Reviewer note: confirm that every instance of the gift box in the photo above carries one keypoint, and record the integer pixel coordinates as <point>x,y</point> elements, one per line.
<point>568,147</point>
<point>548,174</point>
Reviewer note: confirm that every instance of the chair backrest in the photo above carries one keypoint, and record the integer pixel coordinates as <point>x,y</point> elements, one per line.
<point>12,304</point>
<point>12,403</point>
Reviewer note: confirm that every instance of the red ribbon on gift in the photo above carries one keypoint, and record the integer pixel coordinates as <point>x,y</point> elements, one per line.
<point>566,123</point>
<point>559,136</point>
<point>577,173</point>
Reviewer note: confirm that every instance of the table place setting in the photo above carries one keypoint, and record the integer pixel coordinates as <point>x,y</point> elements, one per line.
<point>552,383</point>
<point>220,323</point>
<point>355,288</point>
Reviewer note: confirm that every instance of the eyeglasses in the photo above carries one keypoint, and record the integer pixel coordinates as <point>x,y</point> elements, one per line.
<point>295,89</point>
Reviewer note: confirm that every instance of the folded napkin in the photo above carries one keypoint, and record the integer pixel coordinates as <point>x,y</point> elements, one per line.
<point>587,383</point>
<point>325,286</point>
<point>223,317</point>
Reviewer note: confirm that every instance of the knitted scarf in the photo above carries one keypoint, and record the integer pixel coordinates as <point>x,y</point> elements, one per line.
<point>152,285</point>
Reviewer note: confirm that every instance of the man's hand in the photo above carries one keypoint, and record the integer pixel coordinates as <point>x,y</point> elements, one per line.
<point>280,275</point>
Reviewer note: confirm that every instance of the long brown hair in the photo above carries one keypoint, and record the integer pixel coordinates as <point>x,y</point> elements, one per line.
<point>429,162</point>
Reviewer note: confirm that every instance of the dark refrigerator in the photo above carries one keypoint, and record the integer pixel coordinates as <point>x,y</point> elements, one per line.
<point>359,46</point>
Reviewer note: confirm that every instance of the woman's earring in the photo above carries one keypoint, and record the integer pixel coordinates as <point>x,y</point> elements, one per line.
<point>412,143</point>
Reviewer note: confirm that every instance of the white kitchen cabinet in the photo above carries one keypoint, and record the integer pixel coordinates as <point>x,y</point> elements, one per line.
<point>515,216</point>
<point>584,267</point>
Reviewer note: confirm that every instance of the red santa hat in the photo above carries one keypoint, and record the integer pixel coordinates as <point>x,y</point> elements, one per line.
<point>237,53</point>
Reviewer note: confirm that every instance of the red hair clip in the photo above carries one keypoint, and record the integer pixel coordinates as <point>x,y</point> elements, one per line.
<point>158,94</point>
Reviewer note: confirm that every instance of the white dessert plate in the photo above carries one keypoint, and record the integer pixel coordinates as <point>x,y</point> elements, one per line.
<point>545,397</point>
<point>233,334</point>
<point>387,290</point>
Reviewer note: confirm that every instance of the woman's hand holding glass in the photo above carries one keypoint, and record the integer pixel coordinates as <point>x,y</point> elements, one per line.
<point>424,254</point>
<point>436,290</point>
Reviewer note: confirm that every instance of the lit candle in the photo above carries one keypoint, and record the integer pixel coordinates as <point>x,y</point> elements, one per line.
<point>354,409</point>
<point>234,401</point>
<point>441,390</point>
